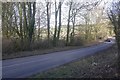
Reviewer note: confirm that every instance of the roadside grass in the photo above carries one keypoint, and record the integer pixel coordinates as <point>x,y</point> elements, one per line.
<point>100,65</point>
<point>44,51</point>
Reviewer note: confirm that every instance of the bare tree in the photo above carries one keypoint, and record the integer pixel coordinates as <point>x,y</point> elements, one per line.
<point>114,16</point>
<point>55,31</point>
<point>57,28</point>
<point>48,19</point>
<point>68,24</point>
<point>40,19</point>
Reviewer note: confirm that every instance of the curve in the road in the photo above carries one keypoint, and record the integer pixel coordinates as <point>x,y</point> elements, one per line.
<point>24,67</point>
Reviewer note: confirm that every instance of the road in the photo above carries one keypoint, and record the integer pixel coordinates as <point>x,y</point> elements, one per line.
<point>27,66</point>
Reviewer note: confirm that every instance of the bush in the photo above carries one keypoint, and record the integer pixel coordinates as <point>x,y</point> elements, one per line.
<point>78,41</point>
<point>7,45</point>
<point>10,45</point>
<point>13,45</point>
<point>61,43</point>
<point>44,44</point>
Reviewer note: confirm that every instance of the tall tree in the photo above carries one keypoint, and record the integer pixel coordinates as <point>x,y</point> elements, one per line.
<point>59,27</point>
<point>25,23</point>
<point>68,24</point>
<point>31,19</point>
<point>73,25</point>
<point>114,16</point>
<point>55,31</point>
<point>48,20</point>
<point>21,21</point>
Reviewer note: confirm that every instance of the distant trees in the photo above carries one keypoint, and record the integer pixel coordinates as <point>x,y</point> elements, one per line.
<point>46,24</point>
<point>75,9</point>
<point>40,19</point>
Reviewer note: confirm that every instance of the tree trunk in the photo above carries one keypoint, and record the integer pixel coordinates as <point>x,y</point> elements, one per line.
<point>21,32</point>
<point>116,24</point>
<point>68,25</point>
<point>25,22</point>
<point>59,27</point>
<point>118,43</point>
<point>48,21</point>
<point>38,37</point>
<point>73,30</point>
<point>31,21</point>
<point>55,31</point>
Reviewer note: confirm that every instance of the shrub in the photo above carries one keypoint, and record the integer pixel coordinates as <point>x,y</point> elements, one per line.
<point>78,41</point>
<point>42,44</point>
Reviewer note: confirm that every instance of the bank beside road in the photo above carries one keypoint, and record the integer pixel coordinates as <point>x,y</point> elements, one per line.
<point>100,65</point>
<point>46,51</point>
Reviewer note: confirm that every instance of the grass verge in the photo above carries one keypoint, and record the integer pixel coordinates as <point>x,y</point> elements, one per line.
<point>100,65</point>
<point>44,51</point>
